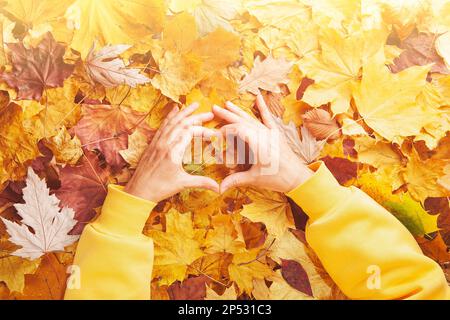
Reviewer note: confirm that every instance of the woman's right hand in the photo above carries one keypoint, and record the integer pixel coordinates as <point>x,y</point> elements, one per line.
<point>276,167</point>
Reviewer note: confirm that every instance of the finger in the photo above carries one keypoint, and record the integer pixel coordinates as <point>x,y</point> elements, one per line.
<point>180,142</point>
<point>163,125</point>
<point>184,113</point>
<point>266,115</point>
<point>226,115</point>
<point>235,109</point>
<point>244,132</point>
<point>236,180</point>
<point>202,182</point>
<point>198,119</point>
<point>207,133</point>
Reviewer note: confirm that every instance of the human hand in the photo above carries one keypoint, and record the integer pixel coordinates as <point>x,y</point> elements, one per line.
<point>160,173</point>
<point>275,165</point>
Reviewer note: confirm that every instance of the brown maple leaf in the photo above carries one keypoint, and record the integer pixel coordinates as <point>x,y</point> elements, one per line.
<point>83,188</point>
<point>190,289</point>
<point>343,170</point>
<point>106,128</point>
<point>35,69</point>
<point>419,50</point>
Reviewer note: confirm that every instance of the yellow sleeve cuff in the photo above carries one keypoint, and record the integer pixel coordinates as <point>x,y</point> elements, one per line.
<point>123,213</point>
<point>320,193</point>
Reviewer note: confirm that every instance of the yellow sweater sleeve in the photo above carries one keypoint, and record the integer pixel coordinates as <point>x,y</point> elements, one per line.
<point>114,259</point>
<point>356,239</point>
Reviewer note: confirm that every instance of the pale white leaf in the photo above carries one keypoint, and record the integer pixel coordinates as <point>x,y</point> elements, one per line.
<point>266,75</point>
<point>106,68</point>
<point>50,225</point>
<point>307,148</point>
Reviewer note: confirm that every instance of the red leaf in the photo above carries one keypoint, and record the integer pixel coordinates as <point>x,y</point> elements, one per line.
<point>440,206</point>
<point>37,68</point>
<point>296,276</point>
<point>419,50</point>
<point>83,188</point>
<point>190,289</point>
<point>342,169</point>
<point>106,128</point>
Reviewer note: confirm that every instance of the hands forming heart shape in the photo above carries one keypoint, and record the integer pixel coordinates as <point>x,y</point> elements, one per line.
<point>160,172</point>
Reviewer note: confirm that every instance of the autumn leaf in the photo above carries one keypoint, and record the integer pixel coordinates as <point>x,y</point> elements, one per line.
<point>266,75</point>
<point>245,267</point>
<point>402,206</point>
<point>175,249</point>
<point>270,208</point>
<point>106,68</point>
<point>40,212</point>
<point>307,147</point>
<point>83,188</point>
<point>34,14</point>
<point>67,150</point>
<point>18,146</point>
<point>38,68</point>
<point>106,128</point>
<point>334,70</point>
<point>384,100</point>
<point>320,124</point>
<point>288,248</point>
<point>209,14</point>
<point>137,144</point>
<point>113,21</point>
<point>419,50</point>
<point>422,177</point>
<point>228,294</point>
<point>190,289</point>
<point>13,269</point>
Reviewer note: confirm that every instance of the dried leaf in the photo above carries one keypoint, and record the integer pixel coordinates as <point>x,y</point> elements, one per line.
<point>40,212</point>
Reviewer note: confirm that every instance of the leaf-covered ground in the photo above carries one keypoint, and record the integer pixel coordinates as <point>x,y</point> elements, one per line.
<point>362,85</point>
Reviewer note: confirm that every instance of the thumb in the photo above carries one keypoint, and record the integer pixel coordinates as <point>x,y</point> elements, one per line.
<point>202,182</point>
<point>236,180</point>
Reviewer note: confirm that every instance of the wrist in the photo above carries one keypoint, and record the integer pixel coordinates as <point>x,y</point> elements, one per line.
<point>143,191</point>
<point>298,176</point>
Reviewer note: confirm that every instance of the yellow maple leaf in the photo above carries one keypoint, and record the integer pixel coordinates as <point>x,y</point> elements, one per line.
<point>175,249</point>
<point>337,68</point>
<point>19,147</point>
<point>217,50</point>
<point>137,143</point>
<point>114,21</point>
<point>385,99</point>
<point>270,208</point>
<point>67,150</point>
<point>223,238</point>
<point>40,16</point>
<point>180,33</point>
<point>245,267</point>
<point>278,13</point>
<point>13,270</point>
<point>422,175</point>
<point>178,74</point>
<point>55,110</point>
<point>209,14</point>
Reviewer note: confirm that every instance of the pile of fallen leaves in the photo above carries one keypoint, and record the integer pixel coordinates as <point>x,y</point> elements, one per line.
<point>362,85</point>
